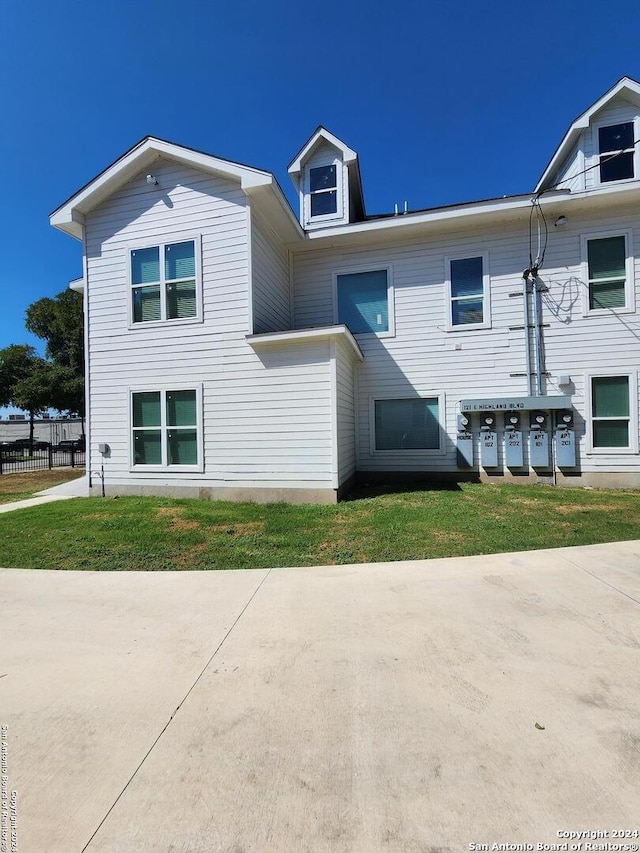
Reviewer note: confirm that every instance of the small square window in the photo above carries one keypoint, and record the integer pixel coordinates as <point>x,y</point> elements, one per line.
<point>407,424</point>
<point>363,301</point>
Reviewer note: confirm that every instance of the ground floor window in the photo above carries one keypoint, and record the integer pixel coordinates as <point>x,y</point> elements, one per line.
<point>165,427</point>
<point>407,424</point>
<point>610,411</point>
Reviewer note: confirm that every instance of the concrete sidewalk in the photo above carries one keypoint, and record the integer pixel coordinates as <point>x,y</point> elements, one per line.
<point>416,706</point>
<point>72,489</point>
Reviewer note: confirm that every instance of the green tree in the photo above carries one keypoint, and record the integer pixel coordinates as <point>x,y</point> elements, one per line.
<point>26,382</point>
<point>60,322</point>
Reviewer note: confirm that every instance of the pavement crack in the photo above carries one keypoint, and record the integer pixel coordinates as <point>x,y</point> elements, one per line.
<point>180,704</point>
<point>606,583</point>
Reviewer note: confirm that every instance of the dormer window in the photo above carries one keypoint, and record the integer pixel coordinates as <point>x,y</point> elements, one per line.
<point>327,178</point>
<point>616,139</point>
<point>323,190</point>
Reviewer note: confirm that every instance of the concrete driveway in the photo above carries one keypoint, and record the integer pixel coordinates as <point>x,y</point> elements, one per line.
<point>418,706</point>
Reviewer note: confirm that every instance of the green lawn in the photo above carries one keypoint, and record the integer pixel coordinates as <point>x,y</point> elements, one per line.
<point>159,534</point>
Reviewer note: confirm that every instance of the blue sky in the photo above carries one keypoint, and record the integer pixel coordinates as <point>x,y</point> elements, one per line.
<point>443,101</point>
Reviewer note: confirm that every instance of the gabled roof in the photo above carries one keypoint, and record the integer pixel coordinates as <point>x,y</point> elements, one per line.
<point>627,87</point>
<point>348,155</point>
<point>321,134</point>
<point>69,217</point>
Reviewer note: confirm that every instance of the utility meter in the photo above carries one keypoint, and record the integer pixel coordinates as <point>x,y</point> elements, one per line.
<point>512,421</point>
<point>539,420</point>
<point>463,423</point>
<point>488,421</point>
<point>564,419</point>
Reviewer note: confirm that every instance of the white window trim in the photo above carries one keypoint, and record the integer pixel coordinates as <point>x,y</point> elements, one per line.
<point>163,389</point>
<point>633,413</point>
<point>391,332</point>
<point>161,242</point>
<point>318,164</point>
<point>423,395</point>
<point>486,293</point>
<point>629,285</point>
<point>596,151</point>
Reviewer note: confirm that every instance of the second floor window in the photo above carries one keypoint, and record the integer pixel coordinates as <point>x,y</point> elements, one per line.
<point>363,301</point>
<point>468,286</point>
<point>607,264</point>
<point>164,282</point>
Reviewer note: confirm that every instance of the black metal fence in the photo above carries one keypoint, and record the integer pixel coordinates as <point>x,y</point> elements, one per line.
<point>17,460</point>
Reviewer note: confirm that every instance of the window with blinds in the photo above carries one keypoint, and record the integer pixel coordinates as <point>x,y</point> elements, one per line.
<point>167,289</point>
<point>467,292</point>
<point>606,260</point>
<point>165,427</point>
<point>407,424</point>
<point>610,411</point>
<point>363,301</point>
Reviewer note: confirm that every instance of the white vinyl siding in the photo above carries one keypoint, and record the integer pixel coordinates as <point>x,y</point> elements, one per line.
<point>266,420</point>
<point>479,362</point>
<point>271,298</point>
<point>571,175</point>
<point>346,367</point>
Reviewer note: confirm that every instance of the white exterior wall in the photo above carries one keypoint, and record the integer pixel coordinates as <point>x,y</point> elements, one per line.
<point>572,176</point>
<point>271,292</point>
<point>423,359</point>
<point>266,419</point>
<point>345,417</point>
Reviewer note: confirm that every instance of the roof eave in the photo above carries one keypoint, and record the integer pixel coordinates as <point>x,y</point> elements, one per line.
<point>70,215</point>
<point>348,154</point>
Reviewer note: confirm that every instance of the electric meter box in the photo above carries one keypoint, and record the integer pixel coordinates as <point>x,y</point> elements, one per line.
<point>489,448</point>
<point>464,442</point>
<point>565,439</point>
<point>539,448</point>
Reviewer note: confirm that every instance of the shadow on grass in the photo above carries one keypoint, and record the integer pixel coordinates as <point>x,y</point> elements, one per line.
<point>364,490</point>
